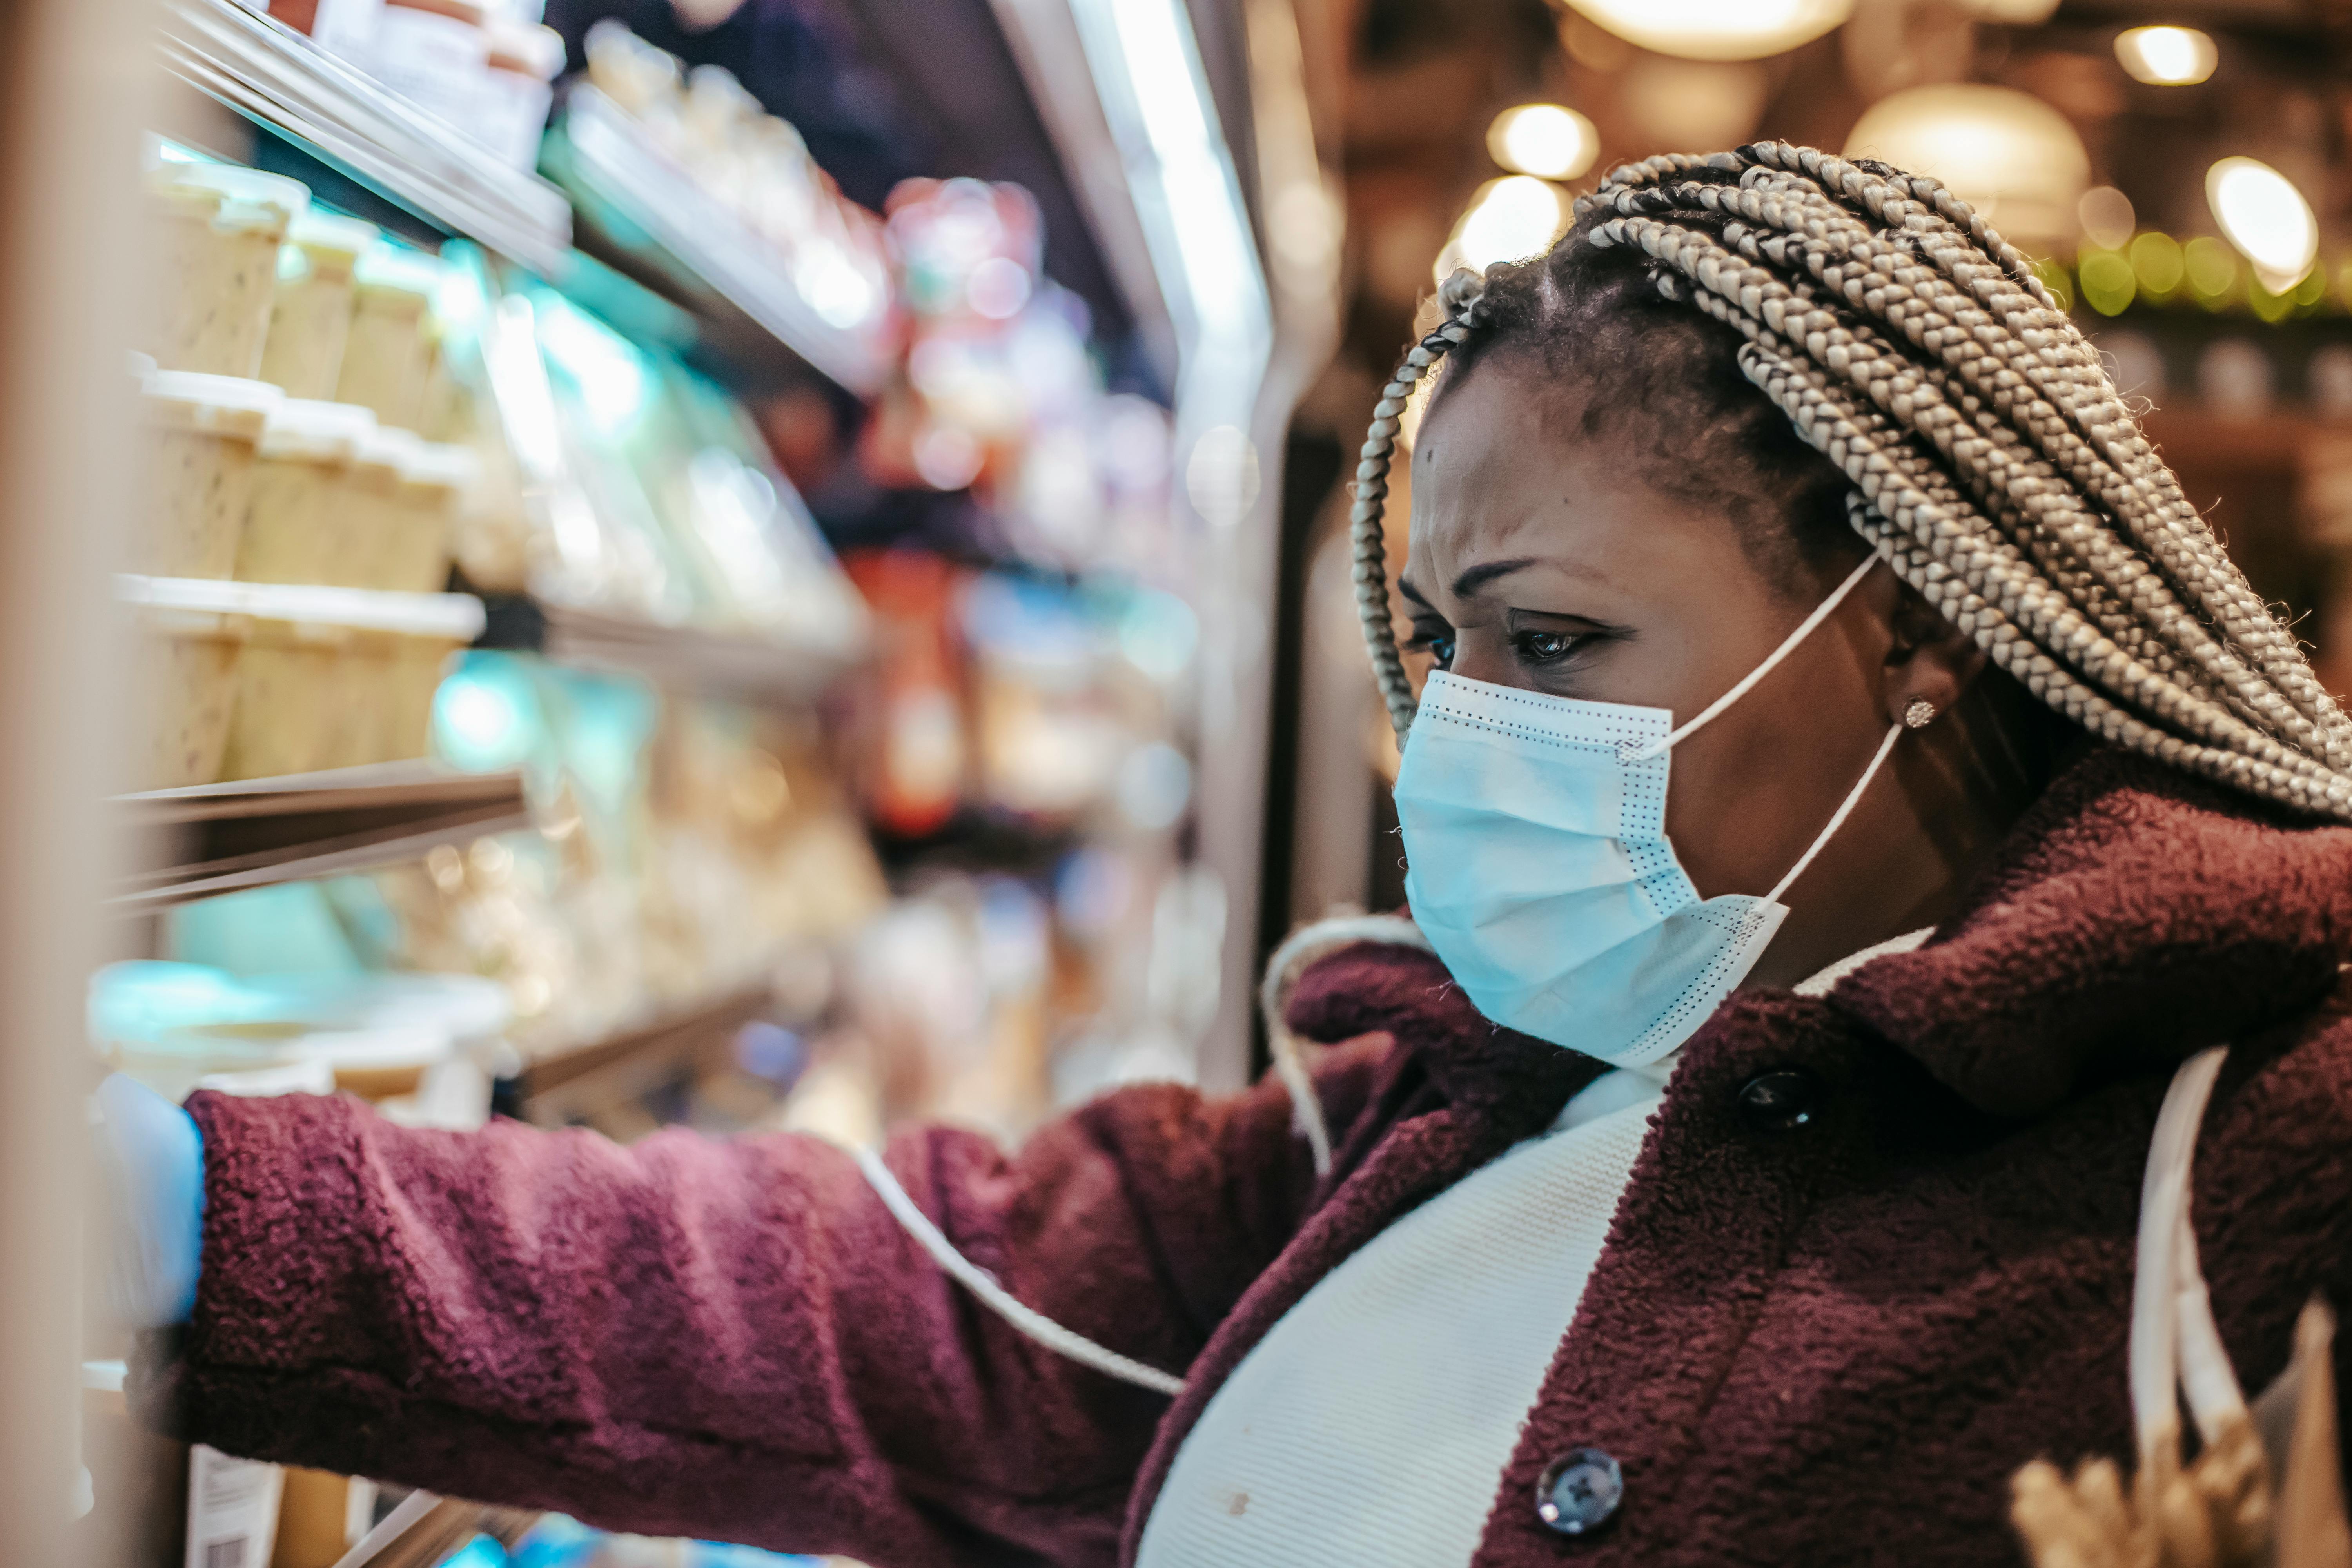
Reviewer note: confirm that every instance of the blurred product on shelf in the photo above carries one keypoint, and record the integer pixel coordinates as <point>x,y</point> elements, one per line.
<point>252,681</point>
<point>1000,395</point>
<point>423,1047</point>
<point>757,167</point>
<point>387,354</point>
<point>310,312</point>
<point>301,524</point>
<point>205,433</point>
<point>218,232</point>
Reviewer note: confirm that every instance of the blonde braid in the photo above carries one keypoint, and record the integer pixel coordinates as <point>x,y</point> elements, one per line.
<point>1991,461</point>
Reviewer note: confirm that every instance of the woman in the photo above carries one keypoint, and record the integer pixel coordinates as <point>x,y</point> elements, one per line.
<point>1691,1224</point>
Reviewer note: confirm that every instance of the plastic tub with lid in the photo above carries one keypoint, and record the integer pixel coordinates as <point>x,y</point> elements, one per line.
<point>310,314</point>
<point>326,677</point>
<point>372,509</point>
<point>203,432</point>
<point>433,480</point>
<point>378,1035</point>
<point>525,58</point>
<point>217,229</point>
<point>387,354</point>
<point>298,524</point>
<point>186,666</point>
<point>435,54</point>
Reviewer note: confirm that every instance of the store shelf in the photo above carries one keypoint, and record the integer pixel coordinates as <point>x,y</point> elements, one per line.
<point>217,838</point>
<point>683,656</point>
<point>278,79</point>
<point>573,1085</point>
<point>651,219</point>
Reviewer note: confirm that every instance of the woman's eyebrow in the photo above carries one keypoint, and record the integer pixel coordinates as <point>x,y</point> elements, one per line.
<point>1405,587</point>
<point>1477,577</point>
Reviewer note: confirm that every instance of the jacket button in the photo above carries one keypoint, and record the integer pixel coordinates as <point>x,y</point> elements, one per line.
<point>1779,1101</point>
<point>1580,1491</point>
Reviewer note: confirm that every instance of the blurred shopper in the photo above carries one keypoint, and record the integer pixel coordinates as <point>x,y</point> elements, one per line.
<point>1639,1216</point>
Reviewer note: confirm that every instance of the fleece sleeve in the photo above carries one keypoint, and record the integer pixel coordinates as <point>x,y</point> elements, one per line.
<point>727,1339</point>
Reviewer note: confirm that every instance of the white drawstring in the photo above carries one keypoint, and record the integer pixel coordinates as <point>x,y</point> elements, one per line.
<point>1300,949</point>
<point>1821,612</point>
<point>1028,1321</point>
<point>2173,1335</point>
<point>1853,799</point>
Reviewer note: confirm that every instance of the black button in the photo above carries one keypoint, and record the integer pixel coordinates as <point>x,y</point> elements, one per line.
<point>1580,1491</point>
<point>1782,1101</point>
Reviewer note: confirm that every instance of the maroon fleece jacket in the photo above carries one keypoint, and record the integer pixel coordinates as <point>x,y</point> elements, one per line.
<point>1829,1343</point>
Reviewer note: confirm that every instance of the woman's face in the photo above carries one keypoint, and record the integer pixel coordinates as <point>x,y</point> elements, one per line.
<point>1541,557</point>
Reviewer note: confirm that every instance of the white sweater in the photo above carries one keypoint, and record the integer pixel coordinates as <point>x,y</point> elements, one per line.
<point>1371,1425</point>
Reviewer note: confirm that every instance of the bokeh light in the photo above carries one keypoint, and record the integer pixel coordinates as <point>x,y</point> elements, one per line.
<point>2167,57</point>
<point>2266,218</point>
<point>1545,140</point>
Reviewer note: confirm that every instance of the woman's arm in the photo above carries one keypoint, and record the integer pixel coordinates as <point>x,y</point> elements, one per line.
<point>726,1338</point>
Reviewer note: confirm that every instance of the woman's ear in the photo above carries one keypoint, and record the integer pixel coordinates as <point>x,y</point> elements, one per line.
<point>1928,659</point>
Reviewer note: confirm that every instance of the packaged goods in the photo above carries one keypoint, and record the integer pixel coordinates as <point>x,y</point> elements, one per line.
<point>433,478</point>
<point>298,524</point>
<point>386,355</point>
<point>319,677</point>
<point>205,431</point>
<point>435,54</point>
<point>291,717</point>
<point>371,508</point>
<point>218,228</point>
<point>524,61</point>
<point>345,26</point>
<point>311,315</point>
<point>186,665</point>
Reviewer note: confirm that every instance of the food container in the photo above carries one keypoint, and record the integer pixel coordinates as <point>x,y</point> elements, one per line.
<point>187,671</point>
<point>203,433</point>
<point>345,26</point>
<point>297,525</point>
<point>219,227</point>
<point>311,317</point>
<point>387,356</point>
<point>524,60</point>
<point>292,713</point>
<point>425,508</point>
<point>322,678</point>
<point>435,53</point>
<point>371,513</point>
<point>271,1056</point>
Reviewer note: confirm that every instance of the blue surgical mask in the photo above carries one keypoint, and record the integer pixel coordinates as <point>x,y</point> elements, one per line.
<point>1538,865</point>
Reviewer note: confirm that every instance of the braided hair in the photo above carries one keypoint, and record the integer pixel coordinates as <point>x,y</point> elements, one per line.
<point>1982,449</point>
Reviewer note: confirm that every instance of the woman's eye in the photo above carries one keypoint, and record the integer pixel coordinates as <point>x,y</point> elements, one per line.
<point>1438,645</point>
<point>1545,648</point>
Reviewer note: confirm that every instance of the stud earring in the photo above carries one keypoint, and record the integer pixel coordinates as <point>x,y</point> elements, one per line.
<point>1919,715</point>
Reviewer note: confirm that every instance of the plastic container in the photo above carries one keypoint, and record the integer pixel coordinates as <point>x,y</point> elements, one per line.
<point>205,431</point>
<point>218,230</point>
<point>186,671</point>
<point>433,480</point>
<point>387,356</point>
<point>345,26</point>
<point>292,715</point>
<point>282,1057</point>
<point>524,60</point>
<point>311,315</point>
<point>371,508</point>
<point>435,53</point>
<point>324,676</point>
<point>297,525</point>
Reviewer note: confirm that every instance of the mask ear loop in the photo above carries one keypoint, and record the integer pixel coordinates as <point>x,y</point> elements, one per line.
<point>1853,799</point>
<point>1805,628</point>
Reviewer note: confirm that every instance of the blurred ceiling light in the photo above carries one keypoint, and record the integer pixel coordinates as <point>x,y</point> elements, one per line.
<point>1516,217</point>
<point>1717,29</point>
<point>2011,13</point>
<point>1544,140</point>
<point>2007,154</point>
<point>2265,217</point>
<point>2167,57</point>
<point>1695,106</point>
<point>2107,217</point>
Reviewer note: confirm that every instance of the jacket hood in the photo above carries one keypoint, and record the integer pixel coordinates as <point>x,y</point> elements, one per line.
<point>2133,915</point>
